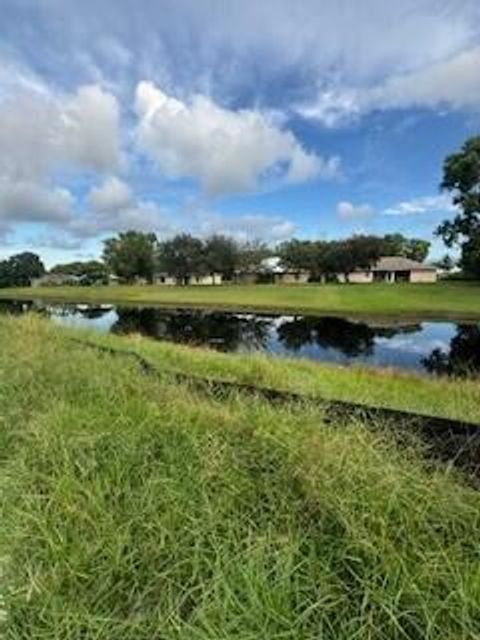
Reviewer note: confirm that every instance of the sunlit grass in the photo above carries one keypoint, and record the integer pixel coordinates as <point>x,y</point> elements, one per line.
<point>441,300</point>
<point>137,509</point>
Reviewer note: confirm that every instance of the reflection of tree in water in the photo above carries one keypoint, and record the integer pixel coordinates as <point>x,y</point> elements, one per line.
<point>463,358</point>
<point>15,307</point>
<point>225,332</point>
<point>353,339</point>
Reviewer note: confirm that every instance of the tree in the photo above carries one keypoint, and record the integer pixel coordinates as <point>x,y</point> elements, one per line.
<point>5,274</point>
<point>303,255</point>
<point>90,271</point>
<point>221,255</point>
<point>446,263</point>
<point>20,270</point>
<point>357,252</point>
<point>470,260</point>
<point>417,249</point>
<point>182,257</point>
<point>461,178</point>
<point>395,244</point>
<point>131,255</point>
<point>251,254</point>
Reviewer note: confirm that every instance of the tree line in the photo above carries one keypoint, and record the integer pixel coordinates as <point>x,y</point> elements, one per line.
<point>134,254</point>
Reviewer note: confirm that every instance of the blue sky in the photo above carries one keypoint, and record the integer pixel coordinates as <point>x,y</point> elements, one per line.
<point>308,118</point>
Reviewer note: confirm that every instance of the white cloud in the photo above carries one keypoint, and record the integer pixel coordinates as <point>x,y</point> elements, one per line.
<point>111,196</point>
<point>90,128</point>
<point>42,133</point>
<point>425,204</point>
<point>268,228</point>
<point>30,202</point>
<point>112,207</point>
<point>348,211</point>
<point>227,151</point>
<point>452,83</point>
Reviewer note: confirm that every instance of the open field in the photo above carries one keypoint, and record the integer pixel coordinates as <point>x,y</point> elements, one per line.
<point>137,509</point>
<point>441,300</point>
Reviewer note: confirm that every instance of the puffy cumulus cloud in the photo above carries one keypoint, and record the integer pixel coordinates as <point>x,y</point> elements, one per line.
<point>452,84</point>
<point>43,135</point>
<point>268,228</point>
<point>30,202</point>
<point>111,196</point>
<point>111,207</point>
<point>40,133</point>
<point>425,204</point>
<point>348,211</point>
<point>226,150</point>
<point>89,129</point>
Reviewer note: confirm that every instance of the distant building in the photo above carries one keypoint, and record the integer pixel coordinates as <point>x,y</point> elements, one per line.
<point>271,270</point>
<point>167,280</point>
<point>56,280</point>
<point>393,269</point>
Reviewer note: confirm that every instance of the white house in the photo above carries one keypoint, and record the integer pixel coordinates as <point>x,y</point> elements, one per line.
<point>393,269</point>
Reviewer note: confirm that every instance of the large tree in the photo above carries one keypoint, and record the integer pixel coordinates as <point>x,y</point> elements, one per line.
<point>221,255</point>
<point>310,255</point>
<point>182,257</point>
<point>131,255</point>
<point>461,178</point>
<point>395,244</point>
<point>90,271</point>
<point>20,270</point>
<point>252,253</point>
<point>357,252</point>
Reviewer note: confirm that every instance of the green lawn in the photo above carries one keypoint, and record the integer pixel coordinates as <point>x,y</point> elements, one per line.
<point>135,508</point>
<point>441,300</point>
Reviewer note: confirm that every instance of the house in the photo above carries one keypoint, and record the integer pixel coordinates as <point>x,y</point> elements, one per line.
<point>393,269</point>
<point>271,270</point>
<point>56,280</point>
<point>164,279</point>
<point>167,280</point>
<point>205,280</point>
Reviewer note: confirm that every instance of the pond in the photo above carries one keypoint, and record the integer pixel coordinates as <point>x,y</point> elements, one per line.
<point>431,348</point>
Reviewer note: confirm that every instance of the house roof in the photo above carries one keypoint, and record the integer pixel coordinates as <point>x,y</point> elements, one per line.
<point>396,263</point>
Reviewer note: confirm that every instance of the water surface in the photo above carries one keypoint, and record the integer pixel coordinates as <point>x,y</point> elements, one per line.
<point>441,348</point>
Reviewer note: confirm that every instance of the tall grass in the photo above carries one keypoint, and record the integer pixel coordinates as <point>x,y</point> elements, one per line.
<point>443,397</point>
<point>136,509</point>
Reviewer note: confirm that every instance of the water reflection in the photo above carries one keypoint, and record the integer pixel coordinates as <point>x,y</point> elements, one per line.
<point>225,332</point>
<point>352,339</point>
<point>439,348</point>
<point>463,356</point>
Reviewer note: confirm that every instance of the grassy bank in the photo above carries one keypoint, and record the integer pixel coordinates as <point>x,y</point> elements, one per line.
<point>389,388</point>
<point>137,509</point>
<point>441,300</point>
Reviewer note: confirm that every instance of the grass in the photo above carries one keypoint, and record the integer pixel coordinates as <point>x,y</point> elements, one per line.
<point>390,388</point>
<point>441,300</point>
<point>134,508</point>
